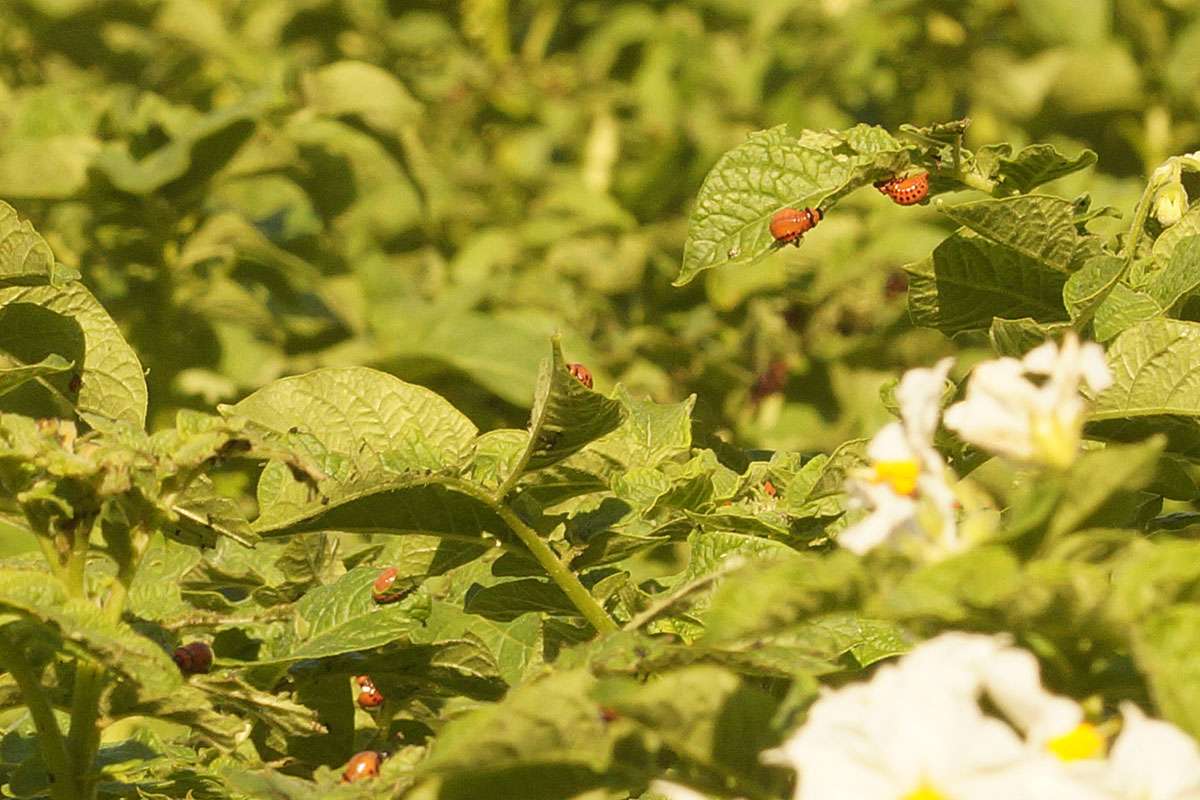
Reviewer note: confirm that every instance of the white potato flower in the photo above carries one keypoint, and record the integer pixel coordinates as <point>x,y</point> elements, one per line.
<point>1153,760</point>
<point>916,731</point>
<point>1031,409</point>
<point>905,487</point>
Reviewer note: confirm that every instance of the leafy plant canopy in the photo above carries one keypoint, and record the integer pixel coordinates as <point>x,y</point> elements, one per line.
<point>598,400</point>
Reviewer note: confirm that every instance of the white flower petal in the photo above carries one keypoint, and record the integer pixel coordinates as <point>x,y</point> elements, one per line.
<point>919,395</point>
<point>1153,760</point>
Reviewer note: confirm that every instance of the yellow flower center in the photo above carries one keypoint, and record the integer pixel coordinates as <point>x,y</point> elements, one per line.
<point>901,476</point>
<point>924,792</point>
<point>1082,741</point>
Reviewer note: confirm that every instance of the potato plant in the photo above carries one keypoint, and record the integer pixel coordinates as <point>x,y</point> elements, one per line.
<point>573,399</point>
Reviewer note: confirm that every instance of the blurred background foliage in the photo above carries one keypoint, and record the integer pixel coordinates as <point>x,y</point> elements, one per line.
<point>257,187</point>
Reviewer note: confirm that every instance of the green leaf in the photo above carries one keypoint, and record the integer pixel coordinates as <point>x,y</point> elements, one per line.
<point>505,602</point>
<point>704,714</point>
<point>1187,227</point>
<point>968,281</point>
<point>1016,337</point>
<point>503,355</point>
<point>651,432</point>
<point>200,514</point>
<point>364,90</point>
<point>567,415</point>
<point>12,377</point>
<point>950,590</point>
<point>38,321</point>
<point>1156,386</point>
<point>381,443</point>
<point>516,646</point>
<point>1151,576</point>
<point>551,724</point>
<point>80,626</point>
<point>764,597</point>
<point>1123,308</point>
<point>1037,164</point>
<point>342,617</point>
<point>1097,475</point>
<point>1089,287</point>
<point>1180,278</point>
<point>214,137</point>
<point>1165,647</point>
<point>1038,228</point>
<point>25,258</point>
<point>772,170</point>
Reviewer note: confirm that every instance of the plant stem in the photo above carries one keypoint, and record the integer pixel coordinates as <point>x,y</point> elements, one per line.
<point>578,594</point>
<point>49,739</point>
<point>83,740</point>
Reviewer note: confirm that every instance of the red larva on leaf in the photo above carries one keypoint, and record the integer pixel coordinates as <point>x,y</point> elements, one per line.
<point>906,191</point>
<point>770,489</point>
<point>788,225</point>
<point>581,374</point>
<point>370,697</point>
<point>362,766</point>
<point>194,658</point>
<point>384,589</point>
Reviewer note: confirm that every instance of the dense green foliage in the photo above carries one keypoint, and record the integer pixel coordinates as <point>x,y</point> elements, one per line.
<point>288,294</point>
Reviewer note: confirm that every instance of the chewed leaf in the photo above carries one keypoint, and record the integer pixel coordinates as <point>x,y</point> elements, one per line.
<point>773,170</point>
<point>1038,164</point>
<point>1037,227</point>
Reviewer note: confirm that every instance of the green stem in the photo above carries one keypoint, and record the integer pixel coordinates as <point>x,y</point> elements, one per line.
<point>578,594</point>
<point>1139,222</point>
<point>49,736</point>
<point>976,181</point>
<point>83,740</point>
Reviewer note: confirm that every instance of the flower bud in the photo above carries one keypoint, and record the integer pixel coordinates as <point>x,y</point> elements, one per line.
<point>1170,204</point>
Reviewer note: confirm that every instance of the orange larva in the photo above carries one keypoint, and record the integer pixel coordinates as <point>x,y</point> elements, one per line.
<point>361,766</point>
<point>581,374</point>
<point>789,224</point>
<point>370,697</point>
<point>906,191</point>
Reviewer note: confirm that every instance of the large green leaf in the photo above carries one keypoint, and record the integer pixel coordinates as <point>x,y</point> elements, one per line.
<point>386,447</point>
<point>772,170</point>
<point>38,321</point>
<point>342,617</point>
<point>1039,228</point>
<point>968,280</point>
<point>1156,385</point>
